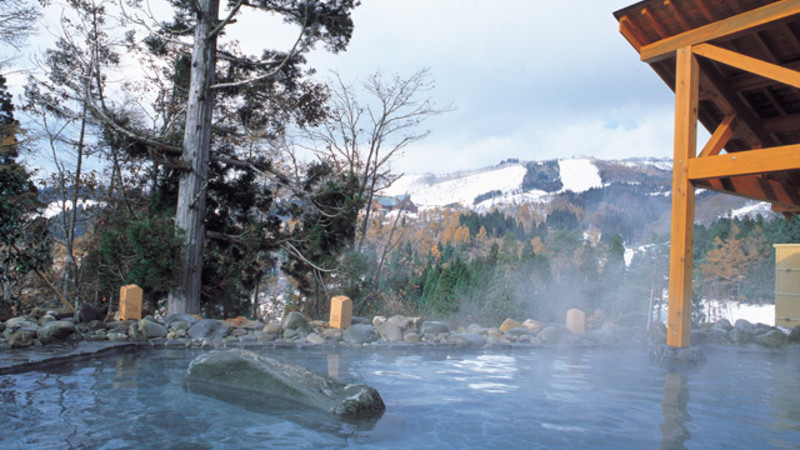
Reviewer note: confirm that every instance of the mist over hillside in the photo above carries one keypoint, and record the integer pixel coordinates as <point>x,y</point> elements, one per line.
<point>629,197</point>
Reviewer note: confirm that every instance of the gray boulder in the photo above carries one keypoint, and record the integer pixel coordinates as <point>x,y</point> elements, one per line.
<point>723,324</point>
<point>740,335</point>
<point>151,329</point>
<point>772,338</point>
<point>359,334</point>
<point>314,338</point>
<point>392,329</point>
<point>19,322</point>
<point>794,336</point>
<point>208,328</point>
<point>229,373</point>
<point>467,339</point>
<point>22,337</point>
<point>56,330</point>
<point>296,326</point>
<point>180,321</point>
<point>553,334</point>
<point>743,324</point>
<point>434,328</point>
<point>88,312</point>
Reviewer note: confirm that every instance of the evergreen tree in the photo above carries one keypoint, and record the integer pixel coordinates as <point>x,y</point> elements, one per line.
<point>24,244</point>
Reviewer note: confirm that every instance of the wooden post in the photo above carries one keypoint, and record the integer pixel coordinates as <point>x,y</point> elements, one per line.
<point>681,246</point>
<point>341,312</point>
<point>130,302</point>
<point>576,320</point>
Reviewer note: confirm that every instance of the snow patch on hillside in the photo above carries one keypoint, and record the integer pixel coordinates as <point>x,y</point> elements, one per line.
<point>579,175</point>
<point>753,210</point>
<point>428,191</point>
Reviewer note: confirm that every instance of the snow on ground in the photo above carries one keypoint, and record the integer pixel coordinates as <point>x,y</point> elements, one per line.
<point>753,210</point>
<point>464,189</point>
<point>579,175</point>
<point>733,311</point>
<point>54,208</point>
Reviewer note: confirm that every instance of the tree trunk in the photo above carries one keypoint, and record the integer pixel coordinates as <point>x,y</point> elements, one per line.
<point>185,294</point>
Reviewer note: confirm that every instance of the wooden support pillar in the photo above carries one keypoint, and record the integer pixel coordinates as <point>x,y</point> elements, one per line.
<point>681,246</point>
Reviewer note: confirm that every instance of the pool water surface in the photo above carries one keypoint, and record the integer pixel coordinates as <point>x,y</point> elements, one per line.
<point>435,398</point>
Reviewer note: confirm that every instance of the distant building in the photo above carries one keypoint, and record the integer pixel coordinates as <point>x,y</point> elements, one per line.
<point>398,203</point>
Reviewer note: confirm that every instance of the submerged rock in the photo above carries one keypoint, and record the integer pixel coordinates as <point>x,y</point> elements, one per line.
<point>264,379</point>
<point>467,339</point>
<point>434,328</point>
<point>666,353</point>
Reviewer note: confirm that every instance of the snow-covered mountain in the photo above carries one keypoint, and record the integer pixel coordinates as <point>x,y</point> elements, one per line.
<point>631,196</point>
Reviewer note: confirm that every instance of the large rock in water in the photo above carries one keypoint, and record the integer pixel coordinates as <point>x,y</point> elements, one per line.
<point>262,378</point>
<point>57,330</point>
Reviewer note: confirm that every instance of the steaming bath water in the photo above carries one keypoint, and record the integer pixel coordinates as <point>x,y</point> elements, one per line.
<point>436,398</point>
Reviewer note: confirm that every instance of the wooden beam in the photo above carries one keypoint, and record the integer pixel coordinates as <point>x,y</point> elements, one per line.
<point>720,137</point>
<point>630,32</point>
<point>678,14</point>
<point>730,102</point>
<point>687,86</point>
<point>783,124</point>
<point>746,82</point>
<point>741,22</point>
<point>764,161</point>
<point>748,64</point>
<point>755,187</point>
<point>662,33</point>
<point>704,10</point>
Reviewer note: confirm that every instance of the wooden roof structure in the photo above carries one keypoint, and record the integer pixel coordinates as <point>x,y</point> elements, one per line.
<point>735,68</point>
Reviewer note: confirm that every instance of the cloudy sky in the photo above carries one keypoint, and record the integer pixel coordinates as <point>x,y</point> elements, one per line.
<point>527,79</point>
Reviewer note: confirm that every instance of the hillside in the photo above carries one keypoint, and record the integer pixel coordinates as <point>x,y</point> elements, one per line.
<point>630,197</point>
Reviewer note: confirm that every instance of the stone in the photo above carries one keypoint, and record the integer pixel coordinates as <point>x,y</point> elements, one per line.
<point>177,334</point>
<point>391,330</point>
<point>360,320</point>
<point>22,337</point>
<point>519,331</point>
<point>61,313</point>
<point>553,334</point>
<point>772,338</point>
<point>130,302</point>
<point>88,312</point>
<point>723,324</point>
<point>378,320</point>
<point>743,324</point>
<point>434,328</point>
<point>740,336</point>
<point>717,336</point>
<point>208,328</point>
<point>794,335</point>
<point>44,319</point>
<point>314,338</point>
<point>467,339</point>
<point>133,330</point>
<point>688,355</point>
<point>151,329</point>
<point>56,330</point>
<point>179,321</point>
<point>238,332</point>
<point>115,335</point>
<point>359,334</point>
<point>509,324</point>
<point>241,375</point>
<point>272,328</point>
<point>295,326</point>
<point>333,334</point>
<point>475,328</point>
<point>19,322</point>
<point>98,325</point>
<point>411,337</point>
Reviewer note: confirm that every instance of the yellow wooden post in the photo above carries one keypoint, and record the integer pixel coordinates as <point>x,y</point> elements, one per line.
<point>681,247</point>
<point>130,302</point>
<point>341,312</point>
